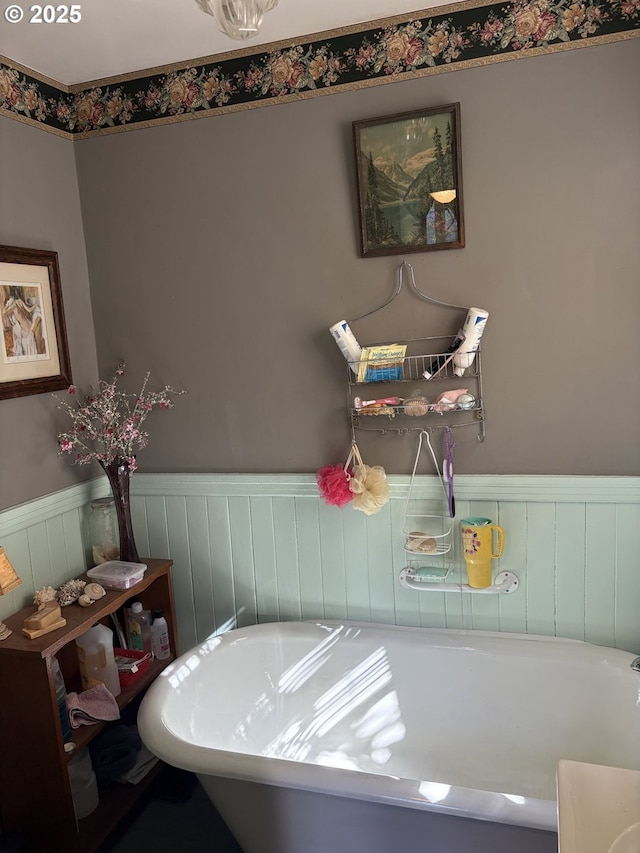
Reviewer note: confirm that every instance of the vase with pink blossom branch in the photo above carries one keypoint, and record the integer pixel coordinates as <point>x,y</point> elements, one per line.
<point>107,428</point>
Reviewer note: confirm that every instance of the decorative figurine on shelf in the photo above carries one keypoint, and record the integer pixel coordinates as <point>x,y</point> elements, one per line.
<point>92,592</point>
<point>107,428</point>
<point>70,591</point>
<point>43,595</point>
<point>45,619</point>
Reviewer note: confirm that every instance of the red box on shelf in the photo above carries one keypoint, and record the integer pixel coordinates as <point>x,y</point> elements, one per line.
<point>140,659</point>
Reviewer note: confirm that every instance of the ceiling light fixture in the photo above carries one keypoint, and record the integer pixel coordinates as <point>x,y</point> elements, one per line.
<point>238,19</point>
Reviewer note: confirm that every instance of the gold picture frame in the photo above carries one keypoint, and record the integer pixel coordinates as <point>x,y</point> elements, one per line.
<point>34,354</point>
<point>409,171</point>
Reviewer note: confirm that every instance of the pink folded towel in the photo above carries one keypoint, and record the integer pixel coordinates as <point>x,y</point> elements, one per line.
<point>92,706</point>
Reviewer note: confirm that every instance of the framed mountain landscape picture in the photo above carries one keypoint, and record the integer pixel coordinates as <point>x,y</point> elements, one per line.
<point>410,181</point>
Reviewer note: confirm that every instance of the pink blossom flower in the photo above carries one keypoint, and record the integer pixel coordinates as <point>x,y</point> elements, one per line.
<point>71,390</point>
<point>106,425</point>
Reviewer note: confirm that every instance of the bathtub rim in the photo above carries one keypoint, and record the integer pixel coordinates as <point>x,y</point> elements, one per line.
<point>285,773</point>
<point>492,806</point>
<point>474,803</point>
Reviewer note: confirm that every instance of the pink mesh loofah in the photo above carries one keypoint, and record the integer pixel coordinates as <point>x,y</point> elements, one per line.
<point>333,482</point>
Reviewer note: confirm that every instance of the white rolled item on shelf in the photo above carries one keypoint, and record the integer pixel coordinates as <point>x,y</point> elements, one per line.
<point>347,343</point>
<point>84,787</point>
<point>473,329</point>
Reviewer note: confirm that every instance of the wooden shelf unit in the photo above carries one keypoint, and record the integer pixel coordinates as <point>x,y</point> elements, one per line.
<point>35,792</point>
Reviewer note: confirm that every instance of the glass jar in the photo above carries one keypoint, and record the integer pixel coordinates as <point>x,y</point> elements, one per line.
<point>103,527</point>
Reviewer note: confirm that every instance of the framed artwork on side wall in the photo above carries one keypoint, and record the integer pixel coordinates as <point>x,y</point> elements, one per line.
<point>34,356</point>
<point>410,182</point>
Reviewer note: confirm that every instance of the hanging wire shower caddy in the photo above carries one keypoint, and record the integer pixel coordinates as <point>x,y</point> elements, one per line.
<point>432,354</point>
<point>426,534</point>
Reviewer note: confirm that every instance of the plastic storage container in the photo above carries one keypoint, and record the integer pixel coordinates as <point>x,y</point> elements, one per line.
<point>137,663</point>
<point>117,574</point>
<point>96,659</point>
<point>103,527</point>
<point>84,788</point>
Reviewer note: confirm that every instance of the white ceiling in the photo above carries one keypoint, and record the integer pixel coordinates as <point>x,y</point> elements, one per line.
<point>123,36</point>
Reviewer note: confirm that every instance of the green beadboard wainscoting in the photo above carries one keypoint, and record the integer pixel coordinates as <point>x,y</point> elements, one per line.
<point>250,548</point>
<point>47,540</point>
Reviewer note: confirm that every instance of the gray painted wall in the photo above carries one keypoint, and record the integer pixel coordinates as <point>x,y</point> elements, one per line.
<point>40,209</point>
<point>221,250</point>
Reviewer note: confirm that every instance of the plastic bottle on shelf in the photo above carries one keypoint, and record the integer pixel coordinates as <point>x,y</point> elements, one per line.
<point>347,343</point>
<point>61,699</point>
<point>473,329</point>
<point>160,636</point>
<point>139,628</point>
<point>96,659</point>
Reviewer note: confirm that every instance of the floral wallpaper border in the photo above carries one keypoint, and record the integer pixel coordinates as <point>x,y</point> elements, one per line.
<point>457,36</point>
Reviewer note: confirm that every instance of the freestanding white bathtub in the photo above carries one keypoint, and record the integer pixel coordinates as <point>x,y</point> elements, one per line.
<point>331,737</point>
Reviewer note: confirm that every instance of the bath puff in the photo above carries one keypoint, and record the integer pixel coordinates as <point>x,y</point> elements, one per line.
<point>370,488</point>
<point>378,410</point>
<point>333,483</point>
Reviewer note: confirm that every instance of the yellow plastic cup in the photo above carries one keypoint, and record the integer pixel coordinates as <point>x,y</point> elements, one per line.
<point>479,574</point>
<point>478,548</point>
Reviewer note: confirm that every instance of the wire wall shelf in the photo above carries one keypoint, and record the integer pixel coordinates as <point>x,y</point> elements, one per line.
<point>504,583</point>
<point>411,395</point>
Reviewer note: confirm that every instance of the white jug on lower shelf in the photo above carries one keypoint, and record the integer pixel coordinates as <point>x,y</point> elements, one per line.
<point>84,788</point>
<point>96,659</point>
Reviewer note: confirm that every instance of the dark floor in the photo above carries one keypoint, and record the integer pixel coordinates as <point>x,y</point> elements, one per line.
<point>178,815</point>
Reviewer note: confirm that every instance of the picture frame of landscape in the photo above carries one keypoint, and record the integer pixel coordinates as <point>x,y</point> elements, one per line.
<point>409,174</point>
